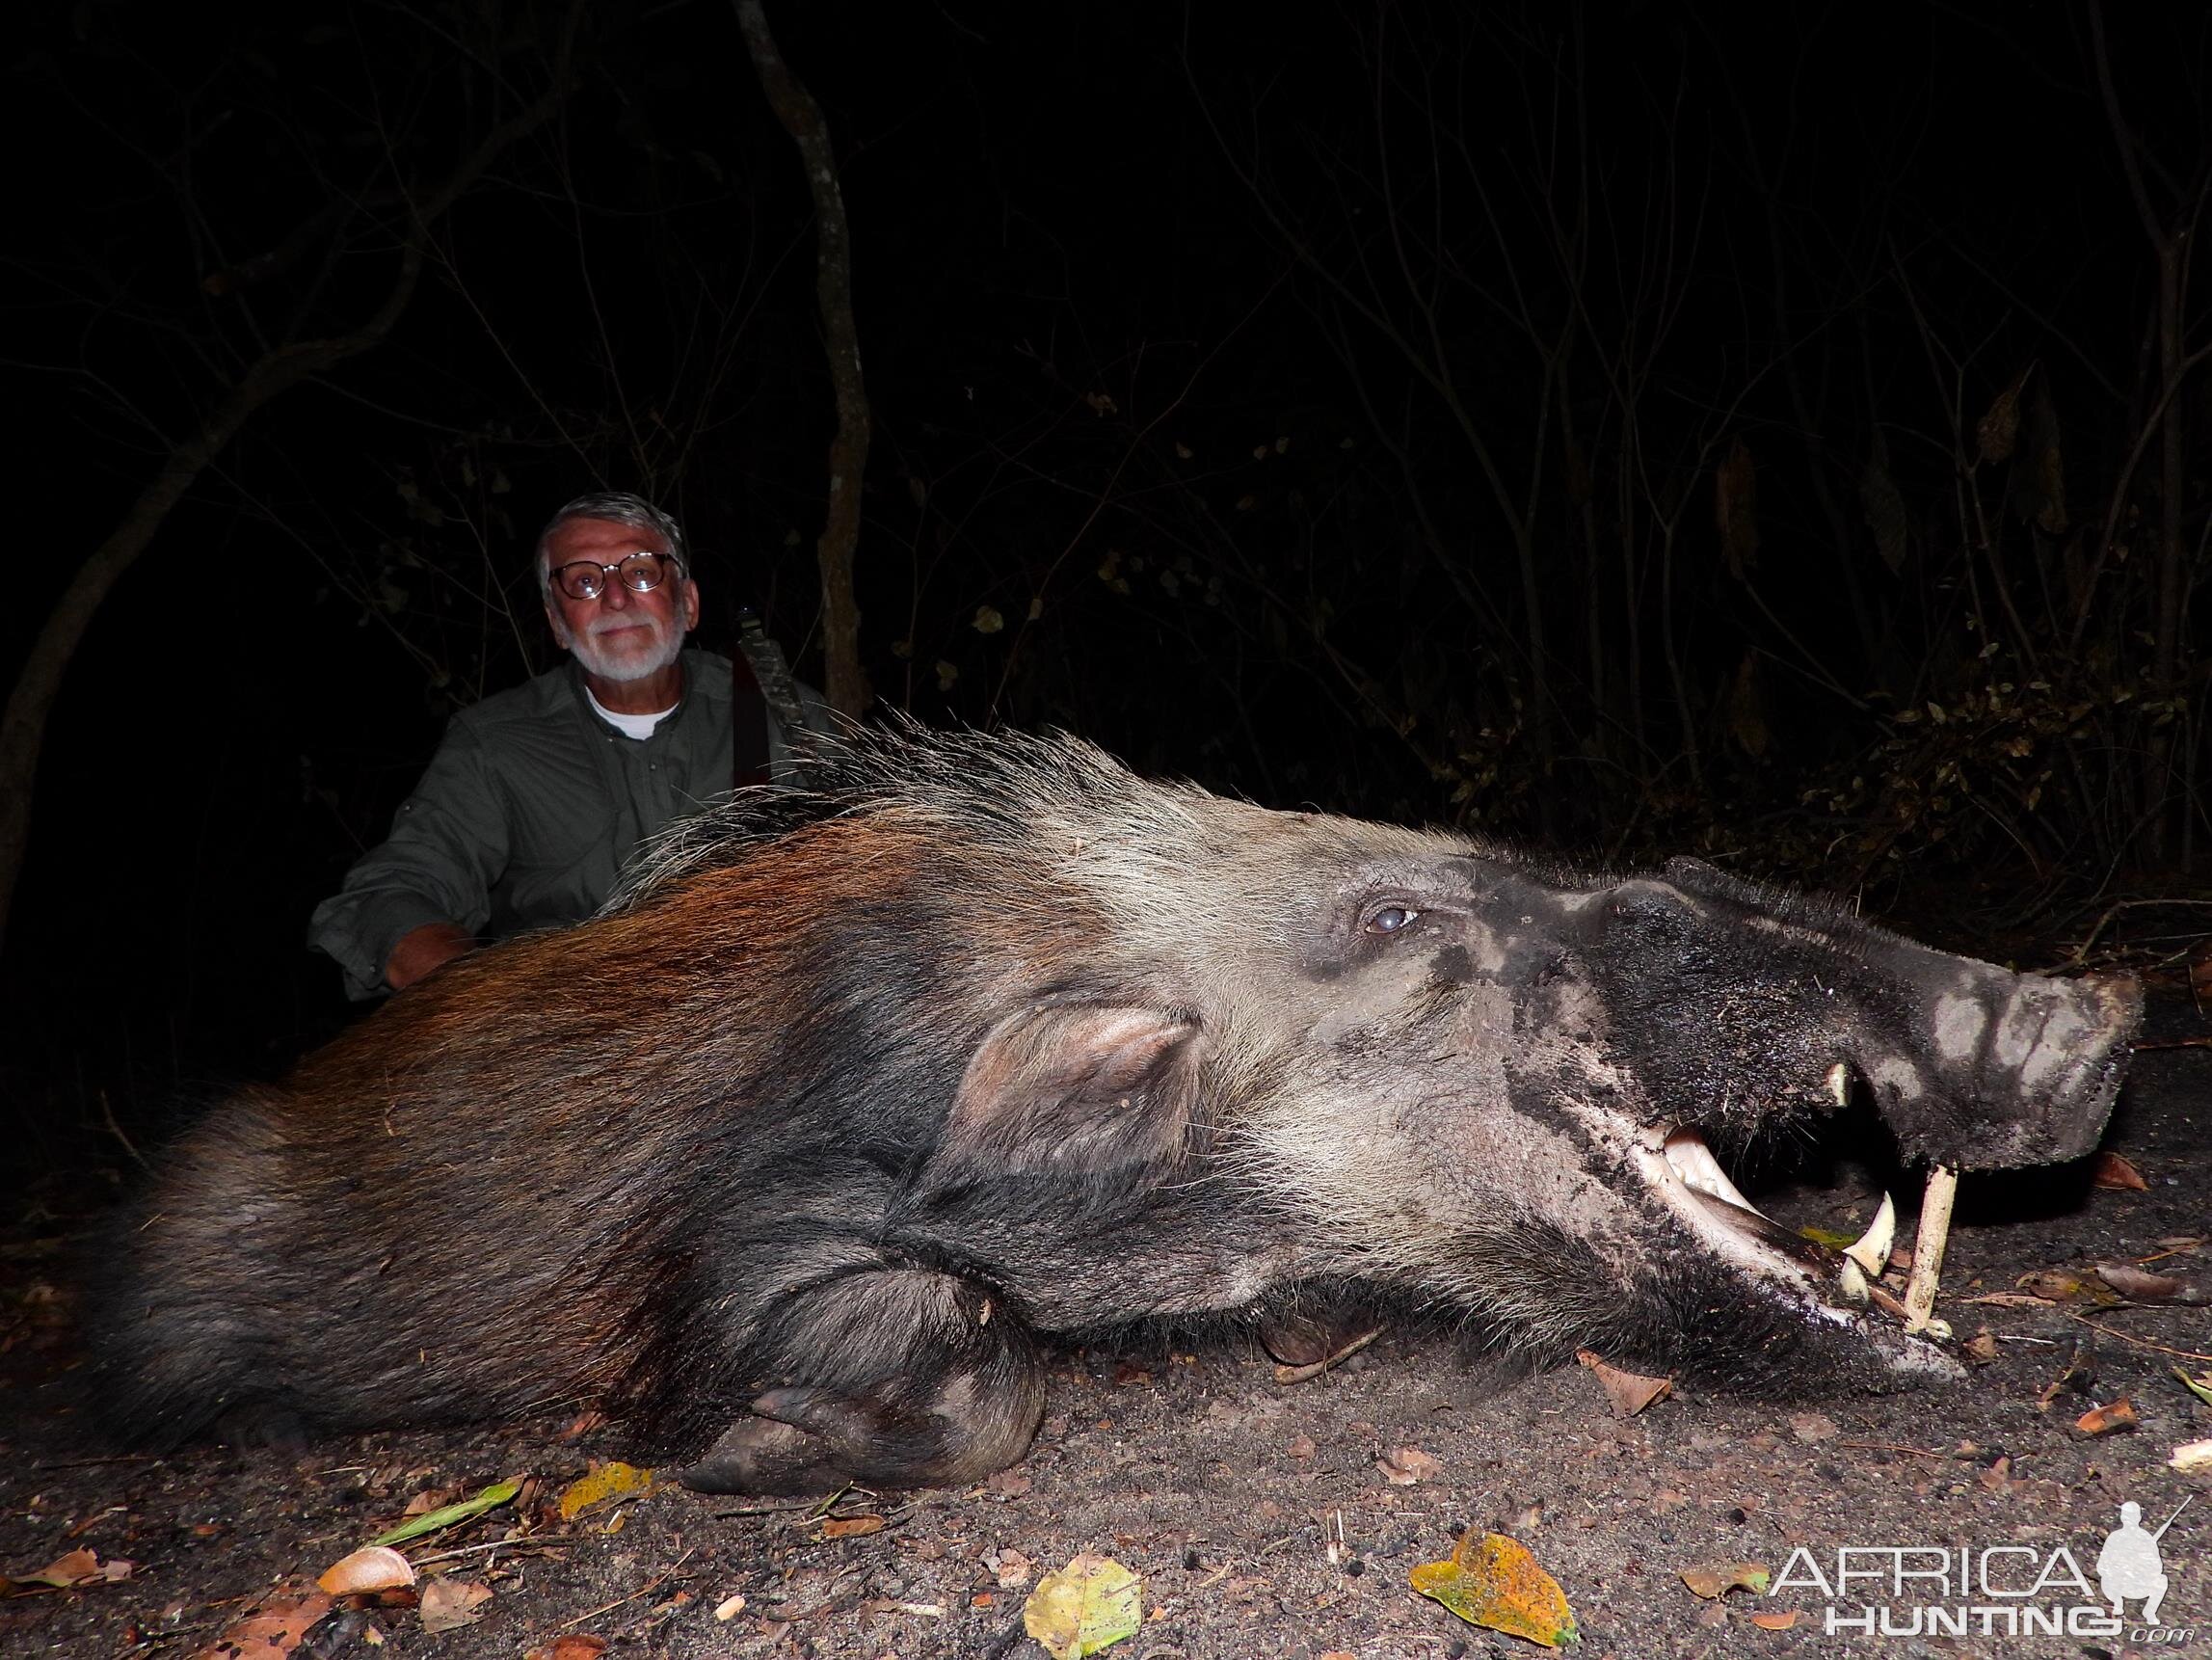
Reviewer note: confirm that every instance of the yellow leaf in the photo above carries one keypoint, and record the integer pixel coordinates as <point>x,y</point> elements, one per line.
<point>610,1480</point>
<point>1493,1582</point>
<point>1086,1606</point>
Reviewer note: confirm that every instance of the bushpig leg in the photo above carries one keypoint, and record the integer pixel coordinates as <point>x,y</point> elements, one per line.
<point>901,1375</point>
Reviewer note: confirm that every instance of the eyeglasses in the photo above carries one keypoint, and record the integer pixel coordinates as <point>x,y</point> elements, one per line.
<point>639,573</point>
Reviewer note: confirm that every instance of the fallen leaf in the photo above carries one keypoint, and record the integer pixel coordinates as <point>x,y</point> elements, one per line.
<point>1408,1465</point>
<point>1302,1447</point>
<point>269,1632</point>
<point>2191,1455</point>
<point>604,1482</point>
<point>1493,1582</point>
<point>2111,1171</point>
<point>2108,1420</point>
<point>1813,1427</point>
<point>1980,1347</point>
<point>2140,1285</point>
<point>1006,1484</point>
<point>851,1527</point>
<point>73,1568</point>
<point>431,1521</point>
<point>1129,1374</point>
<point>2066,1285</point>
<point>2200,1387</point>
<point>449,1604</point>
<point>1011,1569</point>
<point>570,1645</point>
<point>1781,1621</point>
<point>1627,1392</point>
<point>1086,1606</point>
<point>371,1568</point>
<point>1718,1578</point>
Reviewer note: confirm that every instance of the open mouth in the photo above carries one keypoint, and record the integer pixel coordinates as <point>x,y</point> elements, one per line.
<point>1839,1287</point>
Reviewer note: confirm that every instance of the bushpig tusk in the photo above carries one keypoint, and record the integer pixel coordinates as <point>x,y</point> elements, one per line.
<point>1838,1084</point>
<point>1852,1280</point>
<point>1928,1244</point>
<point>1871,1250</point>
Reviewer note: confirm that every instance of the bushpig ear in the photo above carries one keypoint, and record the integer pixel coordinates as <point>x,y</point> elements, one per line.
<point>1073,1088</point>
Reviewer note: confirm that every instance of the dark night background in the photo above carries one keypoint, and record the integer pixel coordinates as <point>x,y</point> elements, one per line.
<point>1631,430</point>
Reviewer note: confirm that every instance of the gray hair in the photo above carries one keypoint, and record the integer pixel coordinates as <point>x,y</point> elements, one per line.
<point>617,507</point>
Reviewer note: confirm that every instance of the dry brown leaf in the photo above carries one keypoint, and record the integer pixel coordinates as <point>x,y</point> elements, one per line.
<point>271,1631</point>
<point>851,1527</point>
<point>1982,1346</point>
<point>570,1645</point>
<point>1406,1465</point>
<point>1628,1393</point>
<point>449,1604</point>
<point>1717,1578</point>
<point>1781,1621</point>
<point>1011,1569</point>
<point>2109,1420</point>
<point>2191,1455</point>
<point>1999,428</point>
<point>2111,1171</point>
<point>369,1569</point>
<point>2140,1285</point>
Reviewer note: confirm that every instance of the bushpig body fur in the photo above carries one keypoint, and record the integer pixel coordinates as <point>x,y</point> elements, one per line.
<point>851,1096</point>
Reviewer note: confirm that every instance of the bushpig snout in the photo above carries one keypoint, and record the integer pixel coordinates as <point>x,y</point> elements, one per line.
<point>2025,1069</point>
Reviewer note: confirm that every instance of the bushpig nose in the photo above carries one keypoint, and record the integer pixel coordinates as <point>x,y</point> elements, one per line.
<point>2022,1070</point>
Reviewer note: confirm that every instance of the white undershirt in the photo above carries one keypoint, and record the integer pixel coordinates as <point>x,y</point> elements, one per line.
<point>637,725</point>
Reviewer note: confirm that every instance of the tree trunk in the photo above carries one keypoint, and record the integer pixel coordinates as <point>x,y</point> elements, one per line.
<point>802,117</point>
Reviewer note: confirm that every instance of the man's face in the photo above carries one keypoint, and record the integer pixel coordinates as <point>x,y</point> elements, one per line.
<point>621,636</point>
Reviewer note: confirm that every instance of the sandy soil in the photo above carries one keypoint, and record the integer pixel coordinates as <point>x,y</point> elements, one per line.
<point>1226,1490</point>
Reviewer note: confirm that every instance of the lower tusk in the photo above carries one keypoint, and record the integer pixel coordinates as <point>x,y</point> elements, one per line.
<point>1838,1083</point>
<point>1871,1250</point>
<point>1852,1281</point>
<point>1928,1244</point>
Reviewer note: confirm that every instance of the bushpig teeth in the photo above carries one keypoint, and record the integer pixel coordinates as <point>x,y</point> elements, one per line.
<point>1928,1250</point>
<point>1870,1251</point>
<point>1838,1084</point>
<point>1851,1281</point>
<point>1694,1166</point>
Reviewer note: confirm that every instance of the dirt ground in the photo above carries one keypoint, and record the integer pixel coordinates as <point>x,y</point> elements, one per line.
<point>1256,1514</point>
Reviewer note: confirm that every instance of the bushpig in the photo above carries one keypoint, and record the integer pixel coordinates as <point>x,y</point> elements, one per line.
<point>850,1097</point>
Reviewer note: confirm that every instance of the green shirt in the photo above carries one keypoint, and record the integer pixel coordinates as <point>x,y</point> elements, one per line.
<point>528,812</point>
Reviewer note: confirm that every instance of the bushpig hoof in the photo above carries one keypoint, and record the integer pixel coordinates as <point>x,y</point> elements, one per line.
<point>810,1440</point>
<point>760,1456</point>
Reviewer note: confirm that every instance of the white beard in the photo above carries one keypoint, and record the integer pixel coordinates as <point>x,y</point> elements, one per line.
<point>631,661</point>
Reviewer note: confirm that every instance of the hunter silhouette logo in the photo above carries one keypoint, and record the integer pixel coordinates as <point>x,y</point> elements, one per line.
<point>2129,1565</point>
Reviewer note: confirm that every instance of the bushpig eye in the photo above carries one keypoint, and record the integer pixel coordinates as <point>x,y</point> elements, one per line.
<point>1389,919</point>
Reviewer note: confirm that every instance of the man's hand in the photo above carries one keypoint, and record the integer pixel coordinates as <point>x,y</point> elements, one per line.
<point>421,950</point>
